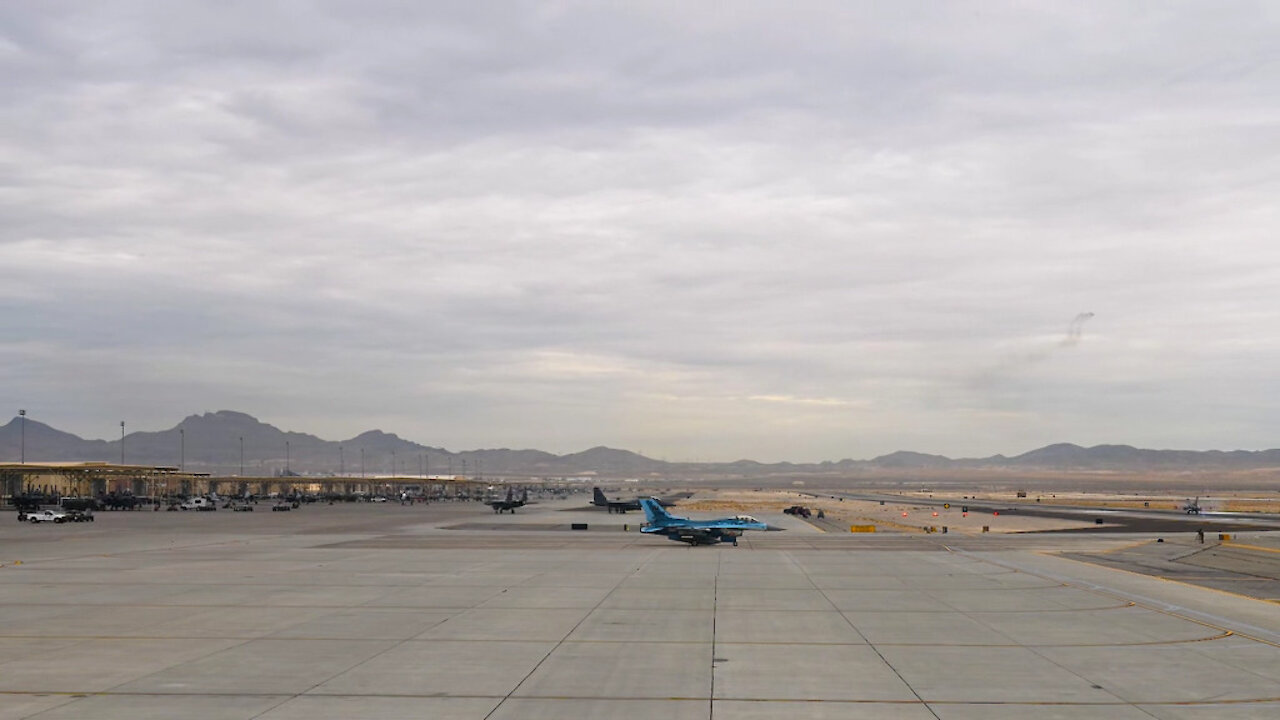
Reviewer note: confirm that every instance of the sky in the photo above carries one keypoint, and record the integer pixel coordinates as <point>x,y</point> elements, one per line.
<point>796,231</point>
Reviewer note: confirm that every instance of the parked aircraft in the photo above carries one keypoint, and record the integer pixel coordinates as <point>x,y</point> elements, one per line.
<point>696,532</point>
<point>199,503</point>
<point>510,503</point>
<point>621,506</point>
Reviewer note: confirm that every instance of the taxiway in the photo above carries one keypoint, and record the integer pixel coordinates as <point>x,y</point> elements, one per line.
<point>447,611</point>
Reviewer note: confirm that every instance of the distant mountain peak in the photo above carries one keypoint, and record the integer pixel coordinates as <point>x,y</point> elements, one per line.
<point>225,419</point>
<point>232,442</point>
<point>908,458</point>
<point>233,416</point>
<point>376,435</point>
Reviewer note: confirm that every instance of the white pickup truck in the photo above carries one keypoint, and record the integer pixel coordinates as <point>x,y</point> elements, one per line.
<point>45,516</point>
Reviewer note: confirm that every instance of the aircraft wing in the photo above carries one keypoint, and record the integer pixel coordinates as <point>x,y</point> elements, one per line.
<point>669,500</point>
<point>696,535</point>
<point>693,533</point>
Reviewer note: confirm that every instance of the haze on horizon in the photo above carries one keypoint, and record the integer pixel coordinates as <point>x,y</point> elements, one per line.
<point>799,232</point>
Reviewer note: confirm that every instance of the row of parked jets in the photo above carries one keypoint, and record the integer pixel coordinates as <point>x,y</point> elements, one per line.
<point>657,520</point>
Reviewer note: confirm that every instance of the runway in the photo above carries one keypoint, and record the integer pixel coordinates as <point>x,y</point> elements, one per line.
<point>382,611</point>
<point>1110,520</point>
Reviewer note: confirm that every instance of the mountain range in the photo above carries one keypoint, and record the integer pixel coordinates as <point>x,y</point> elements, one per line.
<point>233,443</point>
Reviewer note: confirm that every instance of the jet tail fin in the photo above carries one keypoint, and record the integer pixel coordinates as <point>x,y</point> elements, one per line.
<point>600,499</point>
<point>654,513</point>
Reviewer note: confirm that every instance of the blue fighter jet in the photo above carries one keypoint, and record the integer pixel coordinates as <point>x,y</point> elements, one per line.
<point>696,532</point>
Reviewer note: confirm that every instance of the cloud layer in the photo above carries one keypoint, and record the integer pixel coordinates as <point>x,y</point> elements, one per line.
<point>804,233</point>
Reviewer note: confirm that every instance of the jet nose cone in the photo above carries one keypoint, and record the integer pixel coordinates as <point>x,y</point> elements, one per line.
<point>773,528</point>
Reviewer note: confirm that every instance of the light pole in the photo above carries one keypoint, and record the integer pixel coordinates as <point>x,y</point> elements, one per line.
<point>22,415</point>
<point>121,442</point>
<point>287,471</point>
<point>393,463</point>
<point>361,463</point>
<point>182,457</point>
<point>342,462</point>
<point>241,456</point>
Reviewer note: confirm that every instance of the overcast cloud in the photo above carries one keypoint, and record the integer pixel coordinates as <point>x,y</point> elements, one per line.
<point>701,231</point>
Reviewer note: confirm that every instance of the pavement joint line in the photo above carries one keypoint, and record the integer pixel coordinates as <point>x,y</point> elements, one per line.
<point>1203,618</point>
<point>245,642</point>
<point>788,643</point>
<point>1127,546</point>
<point>1179,580</point>
<point>814,563</point>
<point>144,551</point>
<point>715,613</point>
<point>1208,638</point>
<point>1182,613</point>
<point>579,607</point>
<point>1189,554</point>
<point>190,660</point>
<point>402,643</point>
<point>1243,546</point>
<point>1036,649</point>
<point>418,639</point>
<point>644,562</point>
<point>384,651</point>
<point>862,635</point>
<point>833,701</point>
